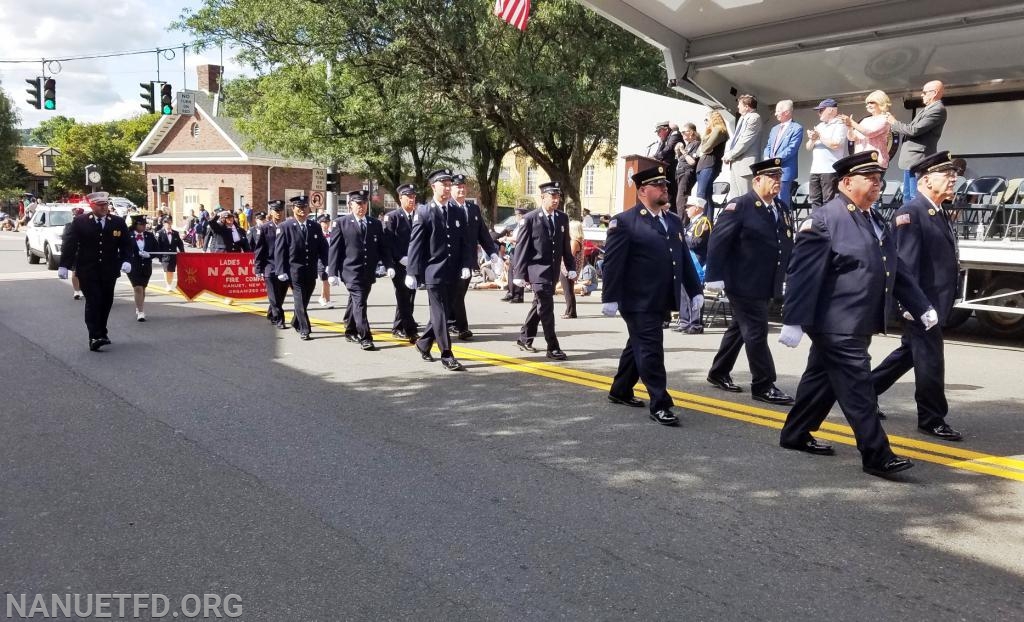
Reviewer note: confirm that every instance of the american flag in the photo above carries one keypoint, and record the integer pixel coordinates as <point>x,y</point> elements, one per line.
<point>515,12</point>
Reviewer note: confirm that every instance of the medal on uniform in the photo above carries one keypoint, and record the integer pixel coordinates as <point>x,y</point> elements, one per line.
<point>757,203</point>
<point>643,212</point>
<point>850,207</point>
<point>117,233</point>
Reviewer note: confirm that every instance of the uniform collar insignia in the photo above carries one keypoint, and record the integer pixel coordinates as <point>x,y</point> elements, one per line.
<point>643,212</point>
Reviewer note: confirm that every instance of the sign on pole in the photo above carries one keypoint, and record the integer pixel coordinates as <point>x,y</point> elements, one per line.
<point>319,180</point>
<point>316,199</point>
<point>186,103</point>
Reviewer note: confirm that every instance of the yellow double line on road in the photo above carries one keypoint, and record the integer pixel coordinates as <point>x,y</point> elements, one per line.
<point>954,457</point>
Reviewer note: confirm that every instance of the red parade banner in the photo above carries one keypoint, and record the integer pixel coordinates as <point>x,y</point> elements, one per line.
<point>228,275</point>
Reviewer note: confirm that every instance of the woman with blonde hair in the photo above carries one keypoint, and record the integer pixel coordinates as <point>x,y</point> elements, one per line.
<point>712,148</point>
<point>576,246</point>
<point>872,132</point>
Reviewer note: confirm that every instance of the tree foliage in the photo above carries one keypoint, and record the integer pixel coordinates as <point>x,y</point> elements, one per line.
<point>11,171</point>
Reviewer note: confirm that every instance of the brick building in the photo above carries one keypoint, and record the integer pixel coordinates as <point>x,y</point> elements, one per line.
<point>38,161</point>
<point>205,156</point>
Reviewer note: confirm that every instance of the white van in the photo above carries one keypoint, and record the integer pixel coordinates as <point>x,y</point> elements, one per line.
<point>44,231</point>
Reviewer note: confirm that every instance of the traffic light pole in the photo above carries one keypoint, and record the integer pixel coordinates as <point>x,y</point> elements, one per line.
<point>332,195</point>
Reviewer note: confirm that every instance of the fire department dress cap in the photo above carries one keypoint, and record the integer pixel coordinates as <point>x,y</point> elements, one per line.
<point>661,124</point>
<point>95,198</point>
<point>858,164</point>
<point>458,179</point>
<point>522,210</point>
<point>406,190</point>
<point>301,201</point>
<point>277,205</point>
<point>938,163</point>
<point>696,201</point>
<point>358,195</point>
<point>138,219</point>
<point>551,187</point>
<point>441,174</point>
<point>648,176</point>
<point>323,218</point>
<point>765,167</point>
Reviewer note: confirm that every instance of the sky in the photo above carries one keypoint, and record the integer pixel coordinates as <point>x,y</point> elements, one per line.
<point>99,89</point>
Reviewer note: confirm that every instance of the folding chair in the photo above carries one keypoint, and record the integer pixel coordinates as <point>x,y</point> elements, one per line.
<point>978,205</point>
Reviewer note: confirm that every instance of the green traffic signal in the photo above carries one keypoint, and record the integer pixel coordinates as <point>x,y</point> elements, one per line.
<point>50,94</point>
<point>166,107</point>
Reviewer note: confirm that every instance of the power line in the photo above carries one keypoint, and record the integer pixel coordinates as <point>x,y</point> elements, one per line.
<point>102,54</point>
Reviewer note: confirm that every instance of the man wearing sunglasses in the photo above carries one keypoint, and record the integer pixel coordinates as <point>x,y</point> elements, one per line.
<point>920,136</point>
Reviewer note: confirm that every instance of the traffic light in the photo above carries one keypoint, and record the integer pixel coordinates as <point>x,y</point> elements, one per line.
<point>50,94</point>
<point>35,92</point>
<point>332,182</point>
<point>166,185</point>
<point>148,96</point>
<point>166,106</point>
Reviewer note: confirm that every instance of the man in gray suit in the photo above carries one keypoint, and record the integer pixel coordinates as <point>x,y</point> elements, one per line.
<point>920,136</point>
<point>744,147</point>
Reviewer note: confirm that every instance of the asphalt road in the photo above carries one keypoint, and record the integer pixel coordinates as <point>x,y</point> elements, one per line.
<point>204,452</point>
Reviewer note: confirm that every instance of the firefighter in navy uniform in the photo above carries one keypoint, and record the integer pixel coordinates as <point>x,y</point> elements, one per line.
<point>476,233</point>
<point>397,231</point>
<point>98,246</point>
<point>439,256</point>
<point>646,267</point>
<point>357,244</point>
<point>841,281</point>
<point>747,256</point>
<point>264,237</point>
<point>299,244</point>
<point>542,246</point>
<point>926,244</point>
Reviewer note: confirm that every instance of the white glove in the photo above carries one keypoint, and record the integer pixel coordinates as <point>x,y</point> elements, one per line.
<point>282,277</point>
<point>610,309</point>
<point>907,316</point>
<point>334,281</point>
<point>404,260</point>
<point>62,273</point>
<point>391,273</point>
<point>715,286</point>
<point>791,336</point>
<point>519,282</point>
<point>464,274</point>
<point>930,319</point>
<point>126,267</point>
<point>144,254</point>
<point>410,281</point>
<point>697,303</point>
<point>572,275</point>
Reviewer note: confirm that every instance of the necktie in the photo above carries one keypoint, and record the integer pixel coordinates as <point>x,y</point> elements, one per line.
<point>739,128</point>
<point>778,138</point>
<point>362,227</point>
<point>551,224</point>
<point>444,211</point>
<point>661,225</point>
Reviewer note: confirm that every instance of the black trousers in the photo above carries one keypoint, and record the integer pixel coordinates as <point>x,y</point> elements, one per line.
<point>356,322</point>
<point>439,297</point>
<point>99,298</point>
<point>516,292</point>
<point>302,291</point>
<point>922,351</point>
<point>457,313</point>
<point>405,301</point>
<point>643,359</point>
<point>685,181</point>
<point>749,327</point>
<point>839,369</point>
<point>822,188</point>
<point>542,312</point>
<point>569,294</point>
<point>276,291</point>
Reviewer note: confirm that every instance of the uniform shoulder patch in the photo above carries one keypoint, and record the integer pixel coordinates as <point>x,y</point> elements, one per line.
<point>614,223</point>
<point>730,208</point>
<point>902,219</point>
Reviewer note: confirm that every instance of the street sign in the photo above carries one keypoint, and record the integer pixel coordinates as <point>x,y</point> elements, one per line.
<point>316,199</point>
<point>319,180</point>
<point>186,103</point>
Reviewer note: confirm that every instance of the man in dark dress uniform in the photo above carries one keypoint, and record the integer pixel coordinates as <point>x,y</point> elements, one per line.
<point>299,243</point>
<point>357,244</point>
<point>226,235</point>
<point>646,267</point>
<point>542,245</point>
<point>841,282</point>
<point>98,246</point>
<point>264,237</point>
<point>665,151</point>
<point>397,231</point>
<point>927,246</point>
<point>476,233</point>
<point>747,256</point>
<point>439,255</point>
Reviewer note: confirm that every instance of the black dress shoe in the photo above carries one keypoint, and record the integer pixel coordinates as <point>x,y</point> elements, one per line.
<point>880,414</point>
<point>305,337</point>
<point>942,431</point>
<point>526,346</point>
<point>451,363</point>
<point>465,335</point>
<point>516,301</point>
<point>351,338</point>
<point>695,330</point>
<point>725,384</point>
<point>399,333</point>
<point>664,417</point>
<point>506,297</point>
<point>892,465</point>
<point>557,355</point>
<point>424,354</point>
<point>626,401</point>
<point>413,338</point>
<point>773,396</point>
<point>679,329</point>
<point>812,447</point>
<point>95,344</point>
<point>367,345</point>
<point>453,331</point>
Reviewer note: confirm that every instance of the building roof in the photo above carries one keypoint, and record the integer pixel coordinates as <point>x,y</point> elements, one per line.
<point>239,154</point>
<point>31,158</point>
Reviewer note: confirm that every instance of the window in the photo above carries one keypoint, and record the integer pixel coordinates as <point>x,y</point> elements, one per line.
<point>47,162</point>
<point>531,180</point>
<point>195,131</point>
<point>588,180</point>
<point>506,174</point>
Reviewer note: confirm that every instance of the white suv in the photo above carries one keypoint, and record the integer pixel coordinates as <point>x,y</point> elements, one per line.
<point>44,231</point>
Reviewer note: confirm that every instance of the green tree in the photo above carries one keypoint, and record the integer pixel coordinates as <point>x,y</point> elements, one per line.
<point>48,128</point>
<point>11,172</point>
